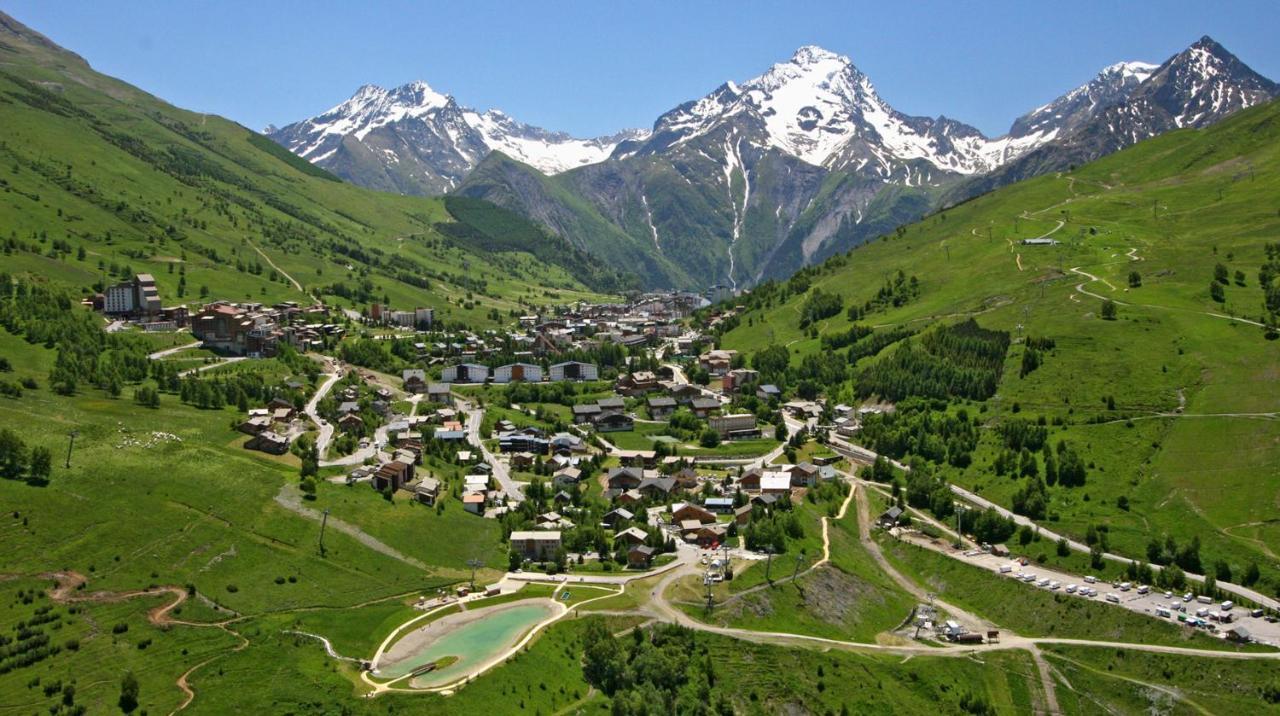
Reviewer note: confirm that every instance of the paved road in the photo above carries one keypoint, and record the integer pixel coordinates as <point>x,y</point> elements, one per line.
<point>176,349</point>
<point>332,376</point>
<point>501,473</point>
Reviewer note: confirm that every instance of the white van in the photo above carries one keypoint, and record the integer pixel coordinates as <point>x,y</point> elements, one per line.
<point>1204,600</point>
<point>1226,606</point>
<point>1125,586</point>
<point>1091,579</point>
<point>1005,569</point>
<point>1113,598</point>
<point>1143,589</point>
<point>1162,612</point>
<point>1071,589</point>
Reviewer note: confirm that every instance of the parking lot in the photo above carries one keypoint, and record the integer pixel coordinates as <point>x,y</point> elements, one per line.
<point>1153,604</point>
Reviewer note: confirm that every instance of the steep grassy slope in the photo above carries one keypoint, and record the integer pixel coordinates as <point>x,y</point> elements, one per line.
<point>99,178</point>
<point>1173,405</point>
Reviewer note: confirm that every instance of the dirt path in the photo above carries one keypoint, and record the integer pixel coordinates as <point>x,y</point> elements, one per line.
<point>1048,690</point>
<point>1079,287</point>
<point>281,271</point>
<point>1173,693</point>
<point>291,499</point>
<point>67,591</point>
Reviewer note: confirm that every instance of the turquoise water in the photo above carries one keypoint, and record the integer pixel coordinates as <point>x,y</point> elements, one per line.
<point>472,644</point>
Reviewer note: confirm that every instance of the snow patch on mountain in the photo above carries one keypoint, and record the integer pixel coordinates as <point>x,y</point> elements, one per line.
<point>472,134</point>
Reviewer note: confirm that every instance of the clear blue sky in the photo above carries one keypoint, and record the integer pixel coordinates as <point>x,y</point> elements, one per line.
<point>592,68</point>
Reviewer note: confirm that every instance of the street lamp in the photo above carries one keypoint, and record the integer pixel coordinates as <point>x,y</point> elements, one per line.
<point>768,550</point>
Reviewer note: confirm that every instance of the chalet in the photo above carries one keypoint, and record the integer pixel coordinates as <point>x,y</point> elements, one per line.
<point>742,515</point>
<point>426,490</point>
<point>705,406</point>
<point>614,423</point>
<point>640,556</point>
<point>475,483</point>
<point>611,405</point>
<point>630,497</point>
<point>827,473</point>
<point>276,404</point>
<point>717,362</point>
<point>686,478</point>
<point>685,393</point>
<point>415,380</point>
<point>615,516</point>
<point>473,502</point>
<point>631,536</point>
<point>661,407</point>
<point>551,521</point>
<point>523,460</point>
<point>690,511</point>
<point>347,407</point>
<point>768,391</point>
<point>638,383</point>
<point>392,476</point>
<point>704,535</point>
<point>518,372</point>
<point>566,477</point>
<point>624,478</point>
<point>537,546</point>
<point>749,481</point>
<point>562,443</point>
<point>803,475</point>
<point>718,505</point>
<point>890,517</point>
<point>657,488</point>
<point>562,498</point>
<point>350,423</point>
<point>574,371</point>
<point>465,373</point>
<point>637,458</point>
<point>1239,635</point>
<point>381,407</point>
<point>766,501</point>
<point>269,442</point>
<point>775,483</point>
<point>585,413</point>
<point>255,425</point>
<point>439,393</point>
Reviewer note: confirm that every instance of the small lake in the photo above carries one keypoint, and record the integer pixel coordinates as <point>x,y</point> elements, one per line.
<point>472,637</point>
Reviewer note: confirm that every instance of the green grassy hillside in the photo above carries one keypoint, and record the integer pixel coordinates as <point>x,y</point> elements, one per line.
<point>1171,407</point>
<point>99,179</point>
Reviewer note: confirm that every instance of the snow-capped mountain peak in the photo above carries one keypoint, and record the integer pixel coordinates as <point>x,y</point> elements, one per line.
<point>422,137</point>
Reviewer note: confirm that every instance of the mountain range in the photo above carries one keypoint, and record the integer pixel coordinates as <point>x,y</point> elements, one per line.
<point>757,179</point>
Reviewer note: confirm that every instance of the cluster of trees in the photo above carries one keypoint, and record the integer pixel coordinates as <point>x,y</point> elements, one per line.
<point>921,427</point>
<point>963,360</point>
<point>240,389</point>
<point>29,644</point>
<point>18,461</point>
<point>1186,556</point>
<point>1032,353</point>
<point>43,314</point>
<point>773,528</point>
<point>818,306</point>
<point>896,291</point>
<point>662,669</point>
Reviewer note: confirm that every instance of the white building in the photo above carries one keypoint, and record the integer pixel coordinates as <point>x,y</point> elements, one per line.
<point>465,373</point>
<point>527,372</point>
<point>575,371</point>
